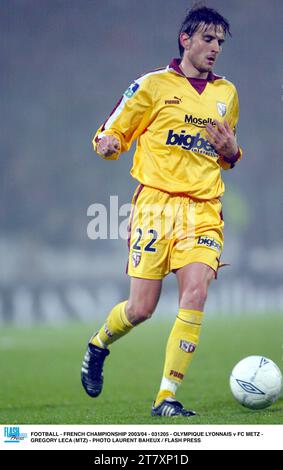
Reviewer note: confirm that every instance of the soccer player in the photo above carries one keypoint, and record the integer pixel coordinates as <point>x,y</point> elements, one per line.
<point>184,118</point>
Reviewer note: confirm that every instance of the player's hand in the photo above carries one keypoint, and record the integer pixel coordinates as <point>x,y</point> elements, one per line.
<point>108,146</point>
<point>223,139</point>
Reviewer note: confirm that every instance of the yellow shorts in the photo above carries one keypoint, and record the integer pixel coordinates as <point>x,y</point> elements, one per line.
<point>168,231</point>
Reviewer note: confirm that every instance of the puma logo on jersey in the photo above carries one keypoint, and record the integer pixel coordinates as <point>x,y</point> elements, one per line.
<point>175,100</point>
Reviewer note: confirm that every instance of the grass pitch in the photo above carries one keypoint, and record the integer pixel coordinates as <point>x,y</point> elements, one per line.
<point>40,373</point>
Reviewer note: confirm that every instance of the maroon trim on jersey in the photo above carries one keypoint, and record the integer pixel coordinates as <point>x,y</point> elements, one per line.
<point>233,159</point>
<point>138,191</point>
<point>199,84</point>
<point>113,111</point>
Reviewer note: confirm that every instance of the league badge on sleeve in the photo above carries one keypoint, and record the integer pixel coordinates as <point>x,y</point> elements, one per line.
<point>131,90</point>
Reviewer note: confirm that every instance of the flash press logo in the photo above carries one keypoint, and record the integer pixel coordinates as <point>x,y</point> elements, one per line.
<point>13,434</point>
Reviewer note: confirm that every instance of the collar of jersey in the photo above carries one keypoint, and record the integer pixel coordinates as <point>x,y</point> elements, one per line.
<point>174,65</point>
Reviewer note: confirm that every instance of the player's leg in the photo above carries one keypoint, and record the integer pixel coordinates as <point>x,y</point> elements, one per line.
<point>147,265</point>
<point>144,296</point>
<point>143,299</point>
<point>193,281</point>
<point>194,258</point>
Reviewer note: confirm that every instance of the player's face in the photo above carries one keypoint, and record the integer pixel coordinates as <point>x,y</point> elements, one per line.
<point>204,46</point>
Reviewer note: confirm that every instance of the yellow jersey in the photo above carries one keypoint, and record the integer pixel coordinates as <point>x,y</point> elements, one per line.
<point>167,113</point>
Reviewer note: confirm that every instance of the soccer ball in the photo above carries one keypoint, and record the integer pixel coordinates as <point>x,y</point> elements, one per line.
<point>256,382</point>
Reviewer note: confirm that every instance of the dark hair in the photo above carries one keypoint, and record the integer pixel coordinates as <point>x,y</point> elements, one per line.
<point>200,14</point>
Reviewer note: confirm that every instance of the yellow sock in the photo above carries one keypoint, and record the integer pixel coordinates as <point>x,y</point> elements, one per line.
<point>116,326</point>
<point>162,394</point>
<point>181,345</point>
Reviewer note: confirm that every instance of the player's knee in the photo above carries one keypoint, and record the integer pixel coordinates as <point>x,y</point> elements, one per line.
<point>139,312</point>
<point>194,297</point>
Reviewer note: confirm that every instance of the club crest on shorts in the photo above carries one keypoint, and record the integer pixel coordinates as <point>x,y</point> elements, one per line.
<point>136,258</point>
<point>221,108</point>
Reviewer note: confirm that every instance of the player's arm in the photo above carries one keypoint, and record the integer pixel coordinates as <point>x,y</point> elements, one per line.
<point>127,121</point>
<point>223,136</point>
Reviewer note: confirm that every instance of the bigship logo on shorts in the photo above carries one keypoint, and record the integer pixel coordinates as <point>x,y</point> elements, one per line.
<point>196,143</point>
<point>209,242</point>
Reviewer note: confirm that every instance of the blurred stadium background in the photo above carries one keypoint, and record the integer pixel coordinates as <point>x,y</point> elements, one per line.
<point>64,64</point>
